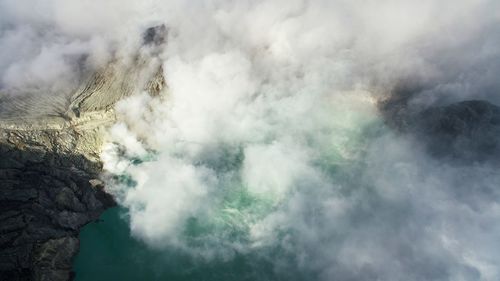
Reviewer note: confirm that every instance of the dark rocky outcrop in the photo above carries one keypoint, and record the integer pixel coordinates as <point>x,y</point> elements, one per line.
<point>50,163</point>
<point>155,35</point>
<point>45,198</point>
<point>466,131</point>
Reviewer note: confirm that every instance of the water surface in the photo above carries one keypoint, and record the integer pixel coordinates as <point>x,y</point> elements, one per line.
<point>109,252</point>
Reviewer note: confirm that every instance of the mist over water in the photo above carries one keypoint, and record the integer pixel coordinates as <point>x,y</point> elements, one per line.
<point>267,157</point>
<point>268,146</point>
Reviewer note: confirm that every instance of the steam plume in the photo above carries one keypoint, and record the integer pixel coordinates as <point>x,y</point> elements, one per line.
<point>269,141</point>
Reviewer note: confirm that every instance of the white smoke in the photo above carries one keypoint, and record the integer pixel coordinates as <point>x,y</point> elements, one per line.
<point>49,46</point>
<point>277,97</point>
<point>273,104</point>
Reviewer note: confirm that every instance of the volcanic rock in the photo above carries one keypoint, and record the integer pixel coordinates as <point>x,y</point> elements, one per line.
<point>50,167</point>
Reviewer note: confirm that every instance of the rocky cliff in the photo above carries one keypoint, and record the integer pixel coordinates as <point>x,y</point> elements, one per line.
<point>49,166</point>
<point>466,132</point>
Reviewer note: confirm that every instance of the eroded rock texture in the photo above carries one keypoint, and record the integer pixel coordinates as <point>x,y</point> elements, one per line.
<point>45,199</point>
<point>466,131</point>
<point>50,165</point>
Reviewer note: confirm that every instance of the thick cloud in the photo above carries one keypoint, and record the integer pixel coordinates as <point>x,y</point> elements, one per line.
<point>269,141</point>
<point>49,46</point>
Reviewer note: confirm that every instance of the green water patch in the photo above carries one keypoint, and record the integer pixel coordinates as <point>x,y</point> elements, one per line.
<point>109,252</point>
<point>228,224</point>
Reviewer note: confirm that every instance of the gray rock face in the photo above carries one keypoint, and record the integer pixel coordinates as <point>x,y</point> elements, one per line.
<point>467,131</point>
<point>155,35</point>
<point>52,259</point>
<point>50,166</point>
<point>44,202</point>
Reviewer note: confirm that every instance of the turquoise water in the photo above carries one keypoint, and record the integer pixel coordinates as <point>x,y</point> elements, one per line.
<point>109,252</point>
